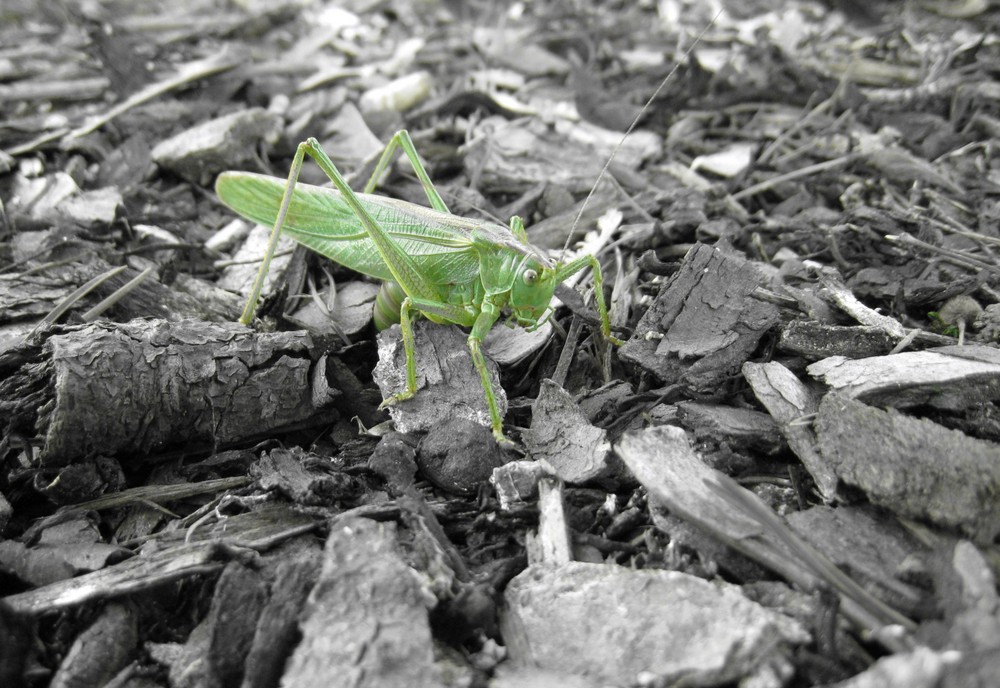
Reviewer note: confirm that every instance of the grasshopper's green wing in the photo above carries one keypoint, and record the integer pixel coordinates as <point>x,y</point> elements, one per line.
<point>318,218</point>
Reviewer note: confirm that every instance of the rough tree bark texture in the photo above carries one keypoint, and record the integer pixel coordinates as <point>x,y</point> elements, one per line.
<point>705,322</point>
<point>145,386</point>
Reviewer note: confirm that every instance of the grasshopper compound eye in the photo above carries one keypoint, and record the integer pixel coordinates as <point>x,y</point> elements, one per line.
<point>529,276</point>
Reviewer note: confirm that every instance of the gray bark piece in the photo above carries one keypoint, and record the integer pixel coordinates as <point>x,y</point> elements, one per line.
<point>240,274</point>
<point>526,153</point>
<point>100,650</point>
<point>562,436</point>
<point>448,385</point>
<point>364,623</point>
<point>552,543</point>
<point>835,292</point>
<point>704,323</point>
<point>740,427</point>
<point>166,558</point>
<point>97,206</point>
<point>919,668</point>
<point>974,620</point>
<point>616,624</point>
<point>146,386</point>
<point>227,142</point>
<point>349,313</point>
<point>789,401</point>
<point>914,467</point>
<point>662,459</point>
<point>664,462</point>
<point>6,512</point>
<point>285,471</point>
<point>61,551</point>
<point>874,548</point>
<point>816,340</point>
<point>277,628</point>
<point>511,345</point>
<point>459,457</point>
<point>949,377</point>
<point>509,676</point>
<point>395,461</point>
<point>517,482</point>
<point>239,599</point>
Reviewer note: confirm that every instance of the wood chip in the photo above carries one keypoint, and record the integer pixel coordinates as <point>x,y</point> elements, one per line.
<point>704,323</point>
<point>622,626</point>
<point>949,377</point>
<point>448,383</point>
<point>561,436</point>
<point>365,622</point>
<point>790,403</point>
<point>913,466</point>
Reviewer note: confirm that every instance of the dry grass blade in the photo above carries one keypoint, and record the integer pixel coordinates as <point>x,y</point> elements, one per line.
<point>819,564</point>
<point>120,293</point>
<point>77,294</point>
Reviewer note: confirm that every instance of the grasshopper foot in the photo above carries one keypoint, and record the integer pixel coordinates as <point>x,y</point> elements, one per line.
<point>394,399</point>
<point>502,440</point>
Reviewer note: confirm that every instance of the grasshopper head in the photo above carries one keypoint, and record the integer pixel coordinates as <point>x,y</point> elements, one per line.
<point>531,292</point>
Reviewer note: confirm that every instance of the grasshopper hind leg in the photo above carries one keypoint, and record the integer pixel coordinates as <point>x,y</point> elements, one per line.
<point>401,141</point>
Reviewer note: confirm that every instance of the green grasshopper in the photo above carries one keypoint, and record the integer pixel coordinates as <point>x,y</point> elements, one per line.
<point>450,269</point>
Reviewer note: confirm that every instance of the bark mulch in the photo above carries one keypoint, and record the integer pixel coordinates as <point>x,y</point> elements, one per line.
<point>787,475</point>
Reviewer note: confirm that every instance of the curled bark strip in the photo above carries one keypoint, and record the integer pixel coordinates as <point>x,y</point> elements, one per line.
<point>147,386</point>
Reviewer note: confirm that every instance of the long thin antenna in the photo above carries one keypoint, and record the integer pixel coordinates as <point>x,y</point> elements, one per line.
<point>631,127</point>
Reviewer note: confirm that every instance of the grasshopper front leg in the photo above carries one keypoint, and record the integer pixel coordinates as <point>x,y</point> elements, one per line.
<point>581,263</point>
<point>487,317</point>
<point>481,322</point>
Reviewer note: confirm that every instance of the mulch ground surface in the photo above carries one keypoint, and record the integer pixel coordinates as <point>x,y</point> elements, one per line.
<point>773,459</point>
